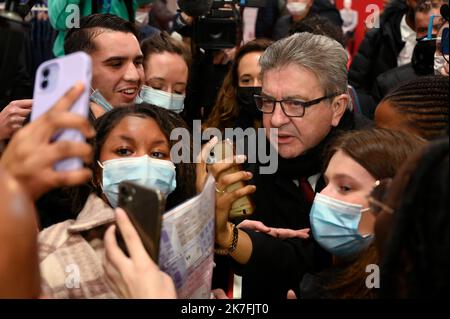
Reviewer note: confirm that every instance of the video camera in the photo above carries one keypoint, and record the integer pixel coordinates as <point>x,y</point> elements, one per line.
<point>218,27</point>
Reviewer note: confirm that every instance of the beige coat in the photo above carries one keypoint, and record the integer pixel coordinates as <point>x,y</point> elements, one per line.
<point>71,265</point>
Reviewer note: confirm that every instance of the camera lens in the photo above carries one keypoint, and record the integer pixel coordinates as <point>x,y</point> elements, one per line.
<point>127,193</point>
<point>44,84</point>
<point>46,72</point>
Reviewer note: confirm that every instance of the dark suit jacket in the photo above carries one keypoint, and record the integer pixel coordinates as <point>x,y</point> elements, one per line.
<point>275,265</point>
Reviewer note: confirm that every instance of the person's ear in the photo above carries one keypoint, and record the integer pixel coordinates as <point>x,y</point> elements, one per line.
<point>339,106</point>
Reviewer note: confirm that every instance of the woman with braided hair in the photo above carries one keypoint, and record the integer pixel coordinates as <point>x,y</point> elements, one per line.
<point>419,106</point>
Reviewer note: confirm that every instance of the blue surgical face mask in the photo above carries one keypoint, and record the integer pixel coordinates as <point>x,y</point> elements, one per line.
<point>98,98</point>
<point>169,101</point>
<point>334,225</point>
<point>144,170</point>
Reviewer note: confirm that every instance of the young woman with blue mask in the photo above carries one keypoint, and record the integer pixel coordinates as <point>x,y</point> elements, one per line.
<point>166,68</point>
<point>341,218</point>
<point>132,143</point>
<point>124,149</point>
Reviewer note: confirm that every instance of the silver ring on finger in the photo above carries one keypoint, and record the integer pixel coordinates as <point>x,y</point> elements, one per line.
<point>220,191</point>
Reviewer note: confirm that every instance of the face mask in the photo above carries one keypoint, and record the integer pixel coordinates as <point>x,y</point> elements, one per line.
<point>144,170</point>
<point>439,64</point>
<point>169,101</point>
<point>142,17</point>
<point>334,225</point>
<point>98,98</point>
<point>247,102</point>
<point>296,8</point>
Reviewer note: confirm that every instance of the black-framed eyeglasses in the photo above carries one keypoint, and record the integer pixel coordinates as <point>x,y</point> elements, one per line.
<point>378,196</point>
<point>290,107</point>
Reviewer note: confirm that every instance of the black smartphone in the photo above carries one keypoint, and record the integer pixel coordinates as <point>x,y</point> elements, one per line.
<point>144,206</point>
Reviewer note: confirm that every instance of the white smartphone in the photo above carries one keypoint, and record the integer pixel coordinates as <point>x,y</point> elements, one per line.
<point>53,79</point>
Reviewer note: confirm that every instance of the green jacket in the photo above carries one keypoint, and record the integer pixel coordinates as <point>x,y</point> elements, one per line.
<point>58,16</point>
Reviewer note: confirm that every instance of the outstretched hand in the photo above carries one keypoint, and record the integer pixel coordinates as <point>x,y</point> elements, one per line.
<point>282,233</point>
<point>136,276</point>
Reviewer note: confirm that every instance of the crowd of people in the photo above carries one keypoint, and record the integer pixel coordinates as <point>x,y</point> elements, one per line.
<point>362,153</point>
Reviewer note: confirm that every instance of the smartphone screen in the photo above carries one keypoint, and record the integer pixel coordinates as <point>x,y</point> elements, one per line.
<point>144,206</point>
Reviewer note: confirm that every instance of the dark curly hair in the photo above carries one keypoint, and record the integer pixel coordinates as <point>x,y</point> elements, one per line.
<point>82,38</point>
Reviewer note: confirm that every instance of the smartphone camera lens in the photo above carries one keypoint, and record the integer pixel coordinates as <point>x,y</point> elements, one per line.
<point>211,159</point>
<point>46,72</point>
<point>127,193</point>
<point>44,84</point>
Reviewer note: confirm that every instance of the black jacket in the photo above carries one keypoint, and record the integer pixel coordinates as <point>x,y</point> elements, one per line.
<point>326,9</point>
<point>275,265</point>
<point>266,19</point>
<point>377,54</point>
<point>422,64</point>
<point>323,8</point>
<point>18,84</point>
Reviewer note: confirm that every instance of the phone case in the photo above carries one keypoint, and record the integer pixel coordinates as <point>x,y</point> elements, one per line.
<point>144,206</point>
<point>243,206</point>
<point>53,79</point>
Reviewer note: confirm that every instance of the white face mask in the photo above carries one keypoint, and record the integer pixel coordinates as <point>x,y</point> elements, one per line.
<point>439,64</point>
<point>142,17</point>
<point>296,8</point>
<point>169,101</point>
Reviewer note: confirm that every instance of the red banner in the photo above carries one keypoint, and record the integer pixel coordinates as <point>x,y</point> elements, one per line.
<point>368,10</point>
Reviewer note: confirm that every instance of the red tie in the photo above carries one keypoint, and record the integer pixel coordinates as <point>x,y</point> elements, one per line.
<point>229,292</point>
<point>307,190</point>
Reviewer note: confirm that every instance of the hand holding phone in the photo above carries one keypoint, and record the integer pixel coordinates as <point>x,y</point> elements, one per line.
<point>243,206</point>
<point>53,79</point>
<point>31,156</point>
<point>144,206</point>
<point>144,279</point>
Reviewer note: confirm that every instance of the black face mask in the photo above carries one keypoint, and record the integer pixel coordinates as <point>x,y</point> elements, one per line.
<point>247,103</point>
<point>423,57</point>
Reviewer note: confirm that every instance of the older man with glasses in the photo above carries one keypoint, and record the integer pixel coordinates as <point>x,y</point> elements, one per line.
<point>305,97</point>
